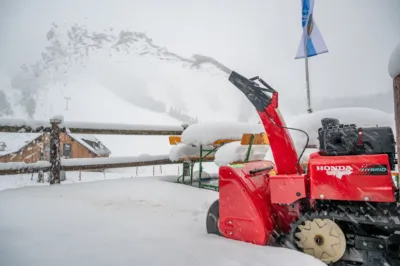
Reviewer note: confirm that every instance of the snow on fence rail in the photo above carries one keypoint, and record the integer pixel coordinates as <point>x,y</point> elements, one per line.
<point>56,125</point>
<point>24,168</point>
<point>87,164</point>
<point>18,125</point>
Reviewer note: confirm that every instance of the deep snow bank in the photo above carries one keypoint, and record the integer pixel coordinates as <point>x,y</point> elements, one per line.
<point>394,62</point>
<point>139,221</point>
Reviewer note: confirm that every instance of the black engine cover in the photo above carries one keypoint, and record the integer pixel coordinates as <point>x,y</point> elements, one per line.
<point>337,139</point>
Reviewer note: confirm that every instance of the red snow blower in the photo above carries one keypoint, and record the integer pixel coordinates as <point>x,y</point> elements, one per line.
<point>343,210</point>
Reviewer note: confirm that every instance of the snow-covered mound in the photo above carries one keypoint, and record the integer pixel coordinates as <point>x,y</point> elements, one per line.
<point>394,62</point>
<point>362,117</point>
<point>139,221</point>
<point>183,151</point>
<point>235,152</point>
<point>207,133</point>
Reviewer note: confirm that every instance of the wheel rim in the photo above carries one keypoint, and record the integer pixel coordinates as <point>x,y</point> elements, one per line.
<point>322,239</point>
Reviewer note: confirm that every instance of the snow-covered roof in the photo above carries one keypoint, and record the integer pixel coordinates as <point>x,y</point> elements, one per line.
<point>14,142</point>
<point>394,62</point>
<point>91,143</point>
<point>208,133</point>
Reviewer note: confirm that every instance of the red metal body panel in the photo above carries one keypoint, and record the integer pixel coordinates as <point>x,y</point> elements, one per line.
<point>343,178</point>
<point>245,211</point>
<point>285,216</point>
<point>286,189</point>
<point>281,143</point>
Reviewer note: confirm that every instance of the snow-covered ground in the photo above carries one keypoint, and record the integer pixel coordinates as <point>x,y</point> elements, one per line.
<point>138,221</point>
<point>26,180</point>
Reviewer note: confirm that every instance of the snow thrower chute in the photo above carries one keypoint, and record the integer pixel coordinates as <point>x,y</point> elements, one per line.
<point>346,201</point>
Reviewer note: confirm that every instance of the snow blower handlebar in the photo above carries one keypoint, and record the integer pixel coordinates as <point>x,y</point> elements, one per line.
<point>265,100</point>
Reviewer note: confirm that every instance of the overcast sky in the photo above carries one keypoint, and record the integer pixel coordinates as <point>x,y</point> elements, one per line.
<point>256,37</point>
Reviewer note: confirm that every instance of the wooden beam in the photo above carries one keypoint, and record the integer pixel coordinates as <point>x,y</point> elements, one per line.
<point>259,139</point>
<point>221,142</point>
<point>55,156</point>
<point>396,98</point>
<point>174,140</point>
<point>197,159</point>
<point>94,164</point>
<point>12,125</point>
<point>24,168</point>
<point>145,132</point>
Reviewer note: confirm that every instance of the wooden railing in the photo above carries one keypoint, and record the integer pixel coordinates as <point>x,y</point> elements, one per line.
<point>89,164</point>
<point>56,164</point>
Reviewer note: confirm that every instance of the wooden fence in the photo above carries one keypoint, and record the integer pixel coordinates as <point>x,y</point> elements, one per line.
<point>56,164</point>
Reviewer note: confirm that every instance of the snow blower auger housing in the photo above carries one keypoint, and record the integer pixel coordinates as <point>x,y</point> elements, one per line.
<point>344,210</point>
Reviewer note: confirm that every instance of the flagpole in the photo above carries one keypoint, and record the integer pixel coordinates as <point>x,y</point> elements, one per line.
<point>312,41</point>
<point>309,110</point>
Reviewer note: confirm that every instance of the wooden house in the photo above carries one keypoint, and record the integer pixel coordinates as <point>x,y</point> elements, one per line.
<point>33,147</point>
<point>20,147</point>
<point>82,146</point>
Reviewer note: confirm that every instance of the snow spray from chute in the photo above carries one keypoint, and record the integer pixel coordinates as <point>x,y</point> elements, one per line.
<point>201,60</point>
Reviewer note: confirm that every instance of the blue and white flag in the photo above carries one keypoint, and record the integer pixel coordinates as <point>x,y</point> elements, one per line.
<point>311,37</point>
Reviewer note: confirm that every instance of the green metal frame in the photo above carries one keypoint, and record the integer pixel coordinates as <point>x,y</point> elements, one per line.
<point>208,152</point>
<point>189,166</point>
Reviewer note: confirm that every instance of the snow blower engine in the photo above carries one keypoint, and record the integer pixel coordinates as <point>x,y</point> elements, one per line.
<point>336,139</point>
<point>344,210</point>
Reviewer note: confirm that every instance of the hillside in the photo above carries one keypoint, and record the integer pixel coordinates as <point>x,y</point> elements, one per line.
<point>146,75</point>
<point>91,101</point>
<point>129,64</point>
<point>382,101</point>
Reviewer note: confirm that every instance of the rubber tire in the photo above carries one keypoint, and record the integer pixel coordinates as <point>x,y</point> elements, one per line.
<point>212,219</point>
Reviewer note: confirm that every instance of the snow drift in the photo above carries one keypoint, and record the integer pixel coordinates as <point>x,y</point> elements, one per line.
<point>139,221</point>
<point>183,151</point>
<point>235,152</point>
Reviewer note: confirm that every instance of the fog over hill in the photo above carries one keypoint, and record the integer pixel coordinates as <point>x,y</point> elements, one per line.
<point>143,73</point>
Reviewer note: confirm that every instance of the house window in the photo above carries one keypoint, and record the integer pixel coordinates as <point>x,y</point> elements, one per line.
<point>95,145</point>
<point>67,150</point>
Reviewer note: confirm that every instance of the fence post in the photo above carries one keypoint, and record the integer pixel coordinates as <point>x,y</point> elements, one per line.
<point>396,98</point>
<point>55,150</point>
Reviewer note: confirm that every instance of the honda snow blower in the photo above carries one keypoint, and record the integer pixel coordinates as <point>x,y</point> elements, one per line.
<point>344,210</point>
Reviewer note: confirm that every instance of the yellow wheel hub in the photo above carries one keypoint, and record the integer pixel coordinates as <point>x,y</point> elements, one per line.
<point>322,239</point>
